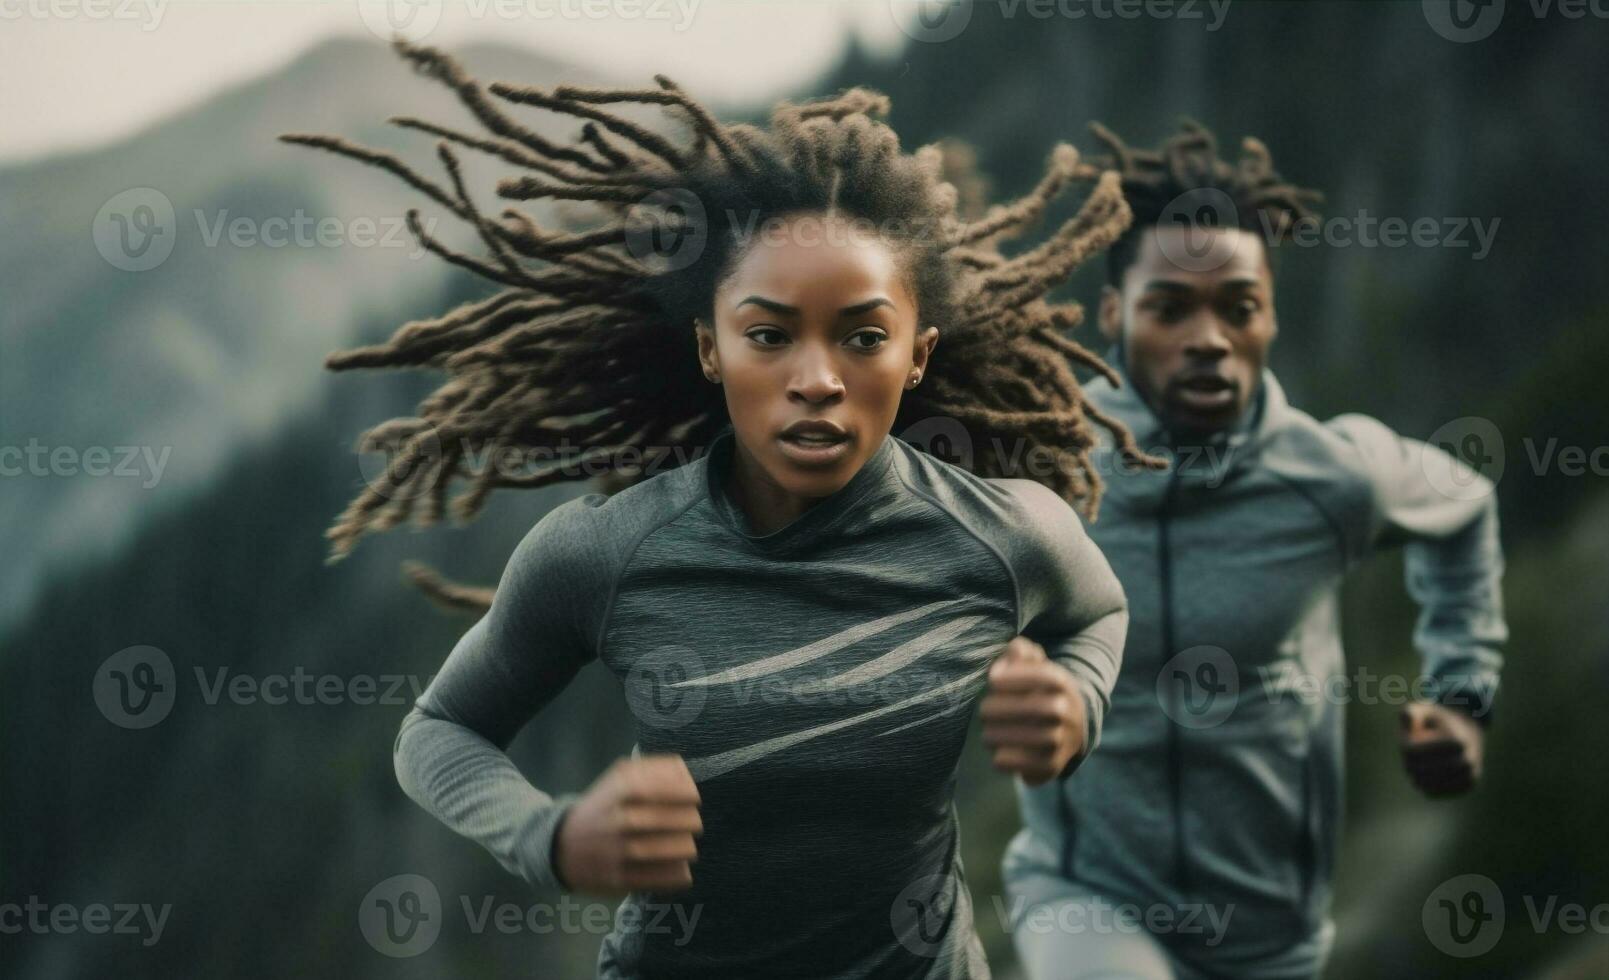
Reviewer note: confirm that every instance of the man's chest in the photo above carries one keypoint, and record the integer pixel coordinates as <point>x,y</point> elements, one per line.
<point>1235,572</point>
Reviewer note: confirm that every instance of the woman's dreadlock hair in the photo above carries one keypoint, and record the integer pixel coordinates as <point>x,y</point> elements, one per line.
<point>590,347</point>
<point>1178,176</point>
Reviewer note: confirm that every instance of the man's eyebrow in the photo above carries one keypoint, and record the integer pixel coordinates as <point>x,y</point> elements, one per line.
<point>1167,286</point>
<point>1171,286</point>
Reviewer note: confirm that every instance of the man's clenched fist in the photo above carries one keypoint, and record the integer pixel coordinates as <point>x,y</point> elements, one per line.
<point>632,830</point>
<point>1441,748</point>
<point>1033,716</point>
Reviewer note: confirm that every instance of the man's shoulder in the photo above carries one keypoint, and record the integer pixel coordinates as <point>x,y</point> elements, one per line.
<point>1339,447</point>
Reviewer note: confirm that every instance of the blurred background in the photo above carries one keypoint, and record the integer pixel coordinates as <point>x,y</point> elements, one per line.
<point>174,450</point>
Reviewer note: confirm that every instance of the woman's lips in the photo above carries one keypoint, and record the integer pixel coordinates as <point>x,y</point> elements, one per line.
<point>814,449</point>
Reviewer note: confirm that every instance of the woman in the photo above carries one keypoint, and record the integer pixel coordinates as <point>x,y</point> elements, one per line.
<point>805,615</point>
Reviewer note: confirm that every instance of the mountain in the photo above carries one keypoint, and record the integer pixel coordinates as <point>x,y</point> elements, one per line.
<point>278,252</point>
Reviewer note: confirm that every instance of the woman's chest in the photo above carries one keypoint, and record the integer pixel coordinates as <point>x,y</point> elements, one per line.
<point>845,666</point>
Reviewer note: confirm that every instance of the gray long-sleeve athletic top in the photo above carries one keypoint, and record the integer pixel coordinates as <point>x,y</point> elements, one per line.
<point>818,680</point>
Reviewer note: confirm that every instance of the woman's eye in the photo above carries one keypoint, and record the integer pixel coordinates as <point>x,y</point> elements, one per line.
<point>767,336</point>
<point>867,340</point>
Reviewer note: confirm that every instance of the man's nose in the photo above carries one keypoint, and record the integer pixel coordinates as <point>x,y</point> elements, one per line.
<point>1207,338</point>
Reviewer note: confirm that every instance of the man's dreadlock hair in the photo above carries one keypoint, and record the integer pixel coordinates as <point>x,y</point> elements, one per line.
<point>590,347</point>
<point>1156,183</point>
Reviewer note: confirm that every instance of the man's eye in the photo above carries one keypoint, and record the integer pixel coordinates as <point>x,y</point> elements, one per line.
<point>875,338</point>
<point>767,336</point>
<point>1244,310</point>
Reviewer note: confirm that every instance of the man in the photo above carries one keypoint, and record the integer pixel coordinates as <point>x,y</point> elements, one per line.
<point>1200,840</point>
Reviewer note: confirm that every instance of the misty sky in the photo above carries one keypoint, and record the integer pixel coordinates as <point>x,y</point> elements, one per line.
<point>77,73</point>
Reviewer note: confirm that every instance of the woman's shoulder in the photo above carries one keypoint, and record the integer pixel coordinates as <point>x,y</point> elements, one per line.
<point>1026,522</point>
<point>1016,503</point>
<point>600,530</point>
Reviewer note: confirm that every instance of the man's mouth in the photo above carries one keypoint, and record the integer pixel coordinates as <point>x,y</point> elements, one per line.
<point>1207,392</point>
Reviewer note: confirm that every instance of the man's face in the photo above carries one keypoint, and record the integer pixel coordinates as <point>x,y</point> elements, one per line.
<point>1195,331</point>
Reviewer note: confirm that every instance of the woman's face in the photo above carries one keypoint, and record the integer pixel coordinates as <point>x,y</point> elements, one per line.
<point>815,340</point>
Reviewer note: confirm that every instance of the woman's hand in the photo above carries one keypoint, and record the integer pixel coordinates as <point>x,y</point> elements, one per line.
<point>1033,715</point>
<point>632,830</point>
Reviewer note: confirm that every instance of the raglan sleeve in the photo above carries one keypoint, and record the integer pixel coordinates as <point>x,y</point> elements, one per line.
<point>1072,602</point>
<point>1444,515</point>
<point>449,753</point>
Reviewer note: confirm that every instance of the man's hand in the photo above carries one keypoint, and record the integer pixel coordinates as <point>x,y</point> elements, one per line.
<point>1033,715</point>
<point>1441,748</point>
<point>632,830</point>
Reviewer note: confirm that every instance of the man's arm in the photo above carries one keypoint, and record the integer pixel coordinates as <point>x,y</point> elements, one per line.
<point>1445,516</point>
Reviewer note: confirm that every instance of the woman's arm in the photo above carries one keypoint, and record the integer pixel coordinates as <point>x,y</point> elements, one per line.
<point>449,753</point>
<point>1054,684</point>
<point>635,827</point>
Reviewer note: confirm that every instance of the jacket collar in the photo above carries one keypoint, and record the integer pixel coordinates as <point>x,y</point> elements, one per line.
<point>1213,461</point>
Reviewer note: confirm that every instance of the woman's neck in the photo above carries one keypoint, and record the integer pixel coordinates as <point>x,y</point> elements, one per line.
<point>767,506</point>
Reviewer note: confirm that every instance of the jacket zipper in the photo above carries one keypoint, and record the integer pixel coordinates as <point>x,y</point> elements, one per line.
<point>1175,751</point>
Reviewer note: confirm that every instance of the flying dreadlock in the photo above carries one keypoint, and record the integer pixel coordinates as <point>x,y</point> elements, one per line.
<point>590,348</point>
<point>1155,181</point>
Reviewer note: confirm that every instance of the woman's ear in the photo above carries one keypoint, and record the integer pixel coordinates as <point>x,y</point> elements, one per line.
<point>1111,313</point>
<point>926,340</point>
<point>709,359</point>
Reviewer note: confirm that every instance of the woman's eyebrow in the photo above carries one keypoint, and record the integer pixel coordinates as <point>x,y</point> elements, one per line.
<point>866,307</point>
<point>783,308</point>
<point>767,304</point>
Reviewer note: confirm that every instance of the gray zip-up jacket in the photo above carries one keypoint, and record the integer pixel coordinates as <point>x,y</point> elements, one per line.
<point>1220,774</point>
<point>819,682</point>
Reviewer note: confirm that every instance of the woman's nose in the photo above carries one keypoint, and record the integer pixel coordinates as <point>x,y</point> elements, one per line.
<point>815,377</point>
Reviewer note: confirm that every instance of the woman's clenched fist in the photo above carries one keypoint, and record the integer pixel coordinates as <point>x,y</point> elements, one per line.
<point>633,830</point>
<point>1034,718</point>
